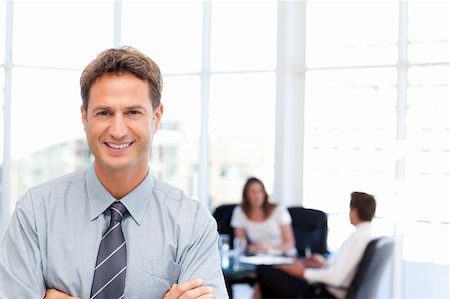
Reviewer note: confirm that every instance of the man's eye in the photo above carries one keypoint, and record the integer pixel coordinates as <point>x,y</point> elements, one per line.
<point>102,113</point>
<point>134,112</point>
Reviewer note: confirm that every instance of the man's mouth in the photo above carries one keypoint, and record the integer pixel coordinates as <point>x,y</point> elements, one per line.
<point>118,146</point>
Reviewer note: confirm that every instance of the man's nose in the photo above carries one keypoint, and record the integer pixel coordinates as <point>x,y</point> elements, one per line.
<point>118,128</point>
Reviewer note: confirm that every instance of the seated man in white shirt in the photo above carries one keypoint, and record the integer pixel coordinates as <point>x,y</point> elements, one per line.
<point>293,281</point>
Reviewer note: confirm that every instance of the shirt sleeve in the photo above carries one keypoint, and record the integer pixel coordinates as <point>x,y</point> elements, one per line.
<point>202,259</point>
<point>283,216</point>
<point>338,272</point>
<point>20,259</point>
<point>238,218</point>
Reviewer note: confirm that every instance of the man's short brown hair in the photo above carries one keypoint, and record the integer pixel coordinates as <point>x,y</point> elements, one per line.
<point>365,204</point>
<point>119,61</point>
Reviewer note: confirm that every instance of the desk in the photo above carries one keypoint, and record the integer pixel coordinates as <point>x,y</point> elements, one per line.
<point>244,271</point>
<point>235,272</point>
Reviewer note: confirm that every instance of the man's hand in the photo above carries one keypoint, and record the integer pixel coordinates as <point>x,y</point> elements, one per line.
<point>296,269</point>
<point>315,261</point>
<point>55,294</point>
<point>189,290</point>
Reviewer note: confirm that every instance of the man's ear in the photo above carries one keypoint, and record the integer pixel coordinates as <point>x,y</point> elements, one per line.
<point>157,117</point>
<point>83,116</point>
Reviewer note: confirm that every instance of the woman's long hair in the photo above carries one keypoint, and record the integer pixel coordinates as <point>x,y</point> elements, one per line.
<point>245,205</point>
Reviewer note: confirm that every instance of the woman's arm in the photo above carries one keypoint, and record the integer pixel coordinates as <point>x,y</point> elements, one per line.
<point>288,242</point>
<point>287,234</point>
<point>240,233</point>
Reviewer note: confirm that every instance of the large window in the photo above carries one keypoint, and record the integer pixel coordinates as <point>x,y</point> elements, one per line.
<point>46,127</point>
<point>170,34</point>
<point>2,120</point>
<point>47,138</point>
<point>242,102</point>
<point>242,133</point>
<point>377,120</point>
<point>350,107</point>
<point>4,204</point>
<point>173,38</point>
<point>60,34</point>
<point>427,150</point>
<point>2,31</point>
<point>238,83</point>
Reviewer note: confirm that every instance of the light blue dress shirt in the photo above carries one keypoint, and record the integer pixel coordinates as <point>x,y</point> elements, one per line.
<point>54,234</point>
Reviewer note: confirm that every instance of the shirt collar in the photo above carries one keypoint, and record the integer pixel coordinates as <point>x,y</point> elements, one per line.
<point>363,225</point>
<point>100,199</point>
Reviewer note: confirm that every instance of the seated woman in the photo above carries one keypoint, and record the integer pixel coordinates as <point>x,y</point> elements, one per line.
<point>266,225</point>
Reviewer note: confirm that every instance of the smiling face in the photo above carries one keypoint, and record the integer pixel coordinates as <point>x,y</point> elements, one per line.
<point>120,123</point>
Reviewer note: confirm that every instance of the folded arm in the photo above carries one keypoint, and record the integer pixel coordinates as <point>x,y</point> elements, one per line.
<point>190,289</point>
<point>20,256</point>
<point>202,259</point>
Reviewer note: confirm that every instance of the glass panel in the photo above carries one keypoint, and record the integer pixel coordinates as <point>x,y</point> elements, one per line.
<point>351,33</point>
<point>169,33</point>
<point>426,259</point>
<point>243,35</point>
<point>428,154</point>
<point>429,31</point>
<point>242,129</point>
<point>2,136</point>
<point>47,134</point>
<point>2,110</point>
<point>350,126</point>
<point>2,31</point>
<point>175,147</point>
<point>63,34</point>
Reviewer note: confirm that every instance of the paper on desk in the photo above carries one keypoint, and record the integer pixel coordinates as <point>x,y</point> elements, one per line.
<point>266,259</point>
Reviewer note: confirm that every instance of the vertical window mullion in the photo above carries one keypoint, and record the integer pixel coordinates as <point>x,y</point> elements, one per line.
<point>290,103</point>
<point>402,87</point>
<point>203,171</point>
<point>117,24</point>
<point>6,165</point>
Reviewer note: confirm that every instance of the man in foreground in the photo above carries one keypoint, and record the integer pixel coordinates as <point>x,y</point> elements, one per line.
<point>113,230</point>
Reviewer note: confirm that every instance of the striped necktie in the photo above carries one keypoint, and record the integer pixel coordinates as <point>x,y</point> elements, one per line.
<point>110,269</point>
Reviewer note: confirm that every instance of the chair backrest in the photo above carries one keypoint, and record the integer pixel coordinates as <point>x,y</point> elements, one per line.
<point>310,229</point>
<point>223,214</point>
<point>370,269</point>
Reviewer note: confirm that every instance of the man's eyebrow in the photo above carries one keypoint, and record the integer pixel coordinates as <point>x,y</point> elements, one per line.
<point>101,107</point>
<point>135,107</point>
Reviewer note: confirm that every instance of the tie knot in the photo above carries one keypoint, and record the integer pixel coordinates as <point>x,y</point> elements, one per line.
<point>118,211</point>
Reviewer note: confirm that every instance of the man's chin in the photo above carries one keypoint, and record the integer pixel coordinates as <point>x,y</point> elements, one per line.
<point>115,166</point>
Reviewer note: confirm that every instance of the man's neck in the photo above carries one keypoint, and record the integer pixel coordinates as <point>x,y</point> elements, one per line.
<point>121,182</point>
<point>360,222</point>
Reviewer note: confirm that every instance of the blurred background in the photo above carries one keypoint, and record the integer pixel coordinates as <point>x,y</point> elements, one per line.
<point>317,99</point>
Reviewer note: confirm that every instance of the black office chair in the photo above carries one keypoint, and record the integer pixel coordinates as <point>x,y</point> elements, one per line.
<point>310,230</point>
<point>368,276</point>
<point>223,214</point>
<point>369,271</point>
